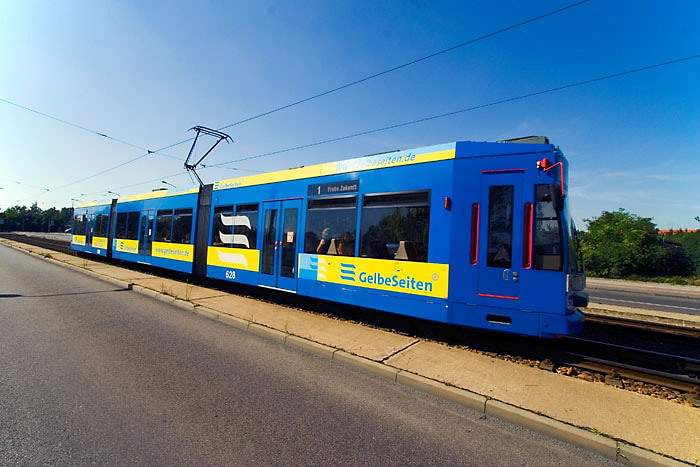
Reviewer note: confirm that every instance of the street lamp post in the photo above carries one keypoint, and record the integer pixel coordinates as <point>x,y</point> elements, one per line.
<point>167,183</point>
<point>112,192</point>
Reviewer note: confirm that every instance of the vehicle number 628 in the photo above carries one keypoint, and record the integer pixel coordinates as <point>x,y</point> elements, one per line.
<point>230,274</point>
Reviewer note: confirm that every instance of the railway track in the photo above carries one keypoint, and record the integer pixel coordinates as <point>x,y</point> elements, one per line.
<point>614,360</point>
<point>50,243</point>
<point>645,325</point>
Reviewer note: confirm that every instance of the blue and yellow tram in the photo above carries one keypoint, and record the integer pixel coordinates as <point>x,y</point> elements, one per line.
<point>156,229</point>
<point>90,228</point>
<point>467,233</point>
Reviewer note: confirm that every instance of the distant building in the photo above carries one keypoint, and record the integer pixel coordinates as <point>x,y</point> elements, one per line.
<point>672,231</point>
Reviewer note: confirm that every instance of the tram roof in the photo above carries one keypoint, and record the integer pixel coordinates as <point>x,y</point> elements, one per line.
<point>460,149</point>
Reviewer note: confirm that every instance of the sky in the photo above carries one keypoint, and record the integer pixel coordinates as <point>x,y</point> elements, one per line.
<point>143,73</point>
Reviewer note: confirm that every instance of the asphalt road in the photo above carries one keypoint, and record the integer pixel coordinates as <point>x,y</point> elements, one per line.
<point>644,300</point>
<point>90,374</point>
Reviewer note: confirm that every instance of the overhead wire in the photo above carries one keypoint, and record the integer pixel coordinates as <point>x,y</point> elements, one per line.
<point>80,127</point>
<point>433,117</point>
<point>468,109</point>
<point>407,64</point>
<point>324,93</point>
<point>98,133</point>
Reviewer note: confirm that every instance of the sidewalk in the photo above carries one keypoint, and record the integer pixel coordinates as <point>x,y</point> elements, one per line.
<point>622,425</point>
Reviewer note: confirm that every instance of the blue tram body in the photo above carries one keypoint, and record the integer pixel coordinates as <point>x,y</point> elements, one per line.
<point>467,233</point>
<point>89,233</point>
<point>156,229</point>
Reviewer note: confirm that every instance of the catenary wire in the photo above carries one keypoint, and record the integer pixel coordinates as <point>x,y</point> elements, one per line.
<point>80,127</point>
<point>338,88</point>
<point>104,135</point>
<point>468,109</point>
<point>390,70</point>
<point>412,122</point>
<point>407,64</point>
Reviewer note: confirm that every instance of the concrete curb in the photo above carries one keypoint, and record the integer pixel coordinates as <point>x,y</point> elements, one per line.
<point>270,333</point>
<point>633,314</point>
<point>311,346</point>
<point>587,439</point>
<point>632,455</point>
<point>365,364</point>
<point>594,442</point>
<point>443,391</point>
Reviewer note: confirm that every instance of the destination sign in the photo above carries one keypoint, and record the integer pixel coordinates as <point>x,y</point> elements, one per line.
<point>335,188</point>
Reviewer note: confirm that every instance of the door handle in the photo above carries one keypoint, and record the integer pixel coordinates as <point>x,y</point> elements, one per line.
<point>505,274</point>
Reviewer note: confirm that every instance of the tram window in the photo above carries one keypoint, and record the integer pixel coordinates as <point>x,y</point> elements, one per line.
<point>164,225</point>
<point>97,225</point>
<point>546,238</point>
<point>245,226</point>
<point>104,224</point>
<point>222,227</point>
<point>79,225</point>
<point>120,231</point>
<point>132,225</point>
<point>101,225</point>
<point>331,225</point>
<point>182,226</point>
<point>396,226</point>
<point>500,229</point>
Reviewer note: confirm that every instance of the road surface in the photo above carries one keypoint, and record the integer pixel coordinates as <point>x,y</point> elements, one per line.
<point>93,374</point>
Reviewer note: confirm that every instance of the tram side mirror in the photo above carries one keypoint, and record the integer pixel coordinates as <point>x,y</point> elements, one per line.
<point>557,197</point>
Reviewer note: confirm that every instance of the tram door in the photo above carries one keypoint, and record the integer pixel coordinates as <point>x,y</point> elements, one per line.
<point>146,237</point>
<point>500,238</point>
<point>90,229</point>
<point>278,262</point>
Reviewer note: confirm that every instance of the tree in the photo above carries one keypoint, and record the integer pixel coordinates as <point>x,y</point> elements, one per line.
<point>15,217</point>
<point>619,244</point>
<point>691,245</point>
<point>35,219</point>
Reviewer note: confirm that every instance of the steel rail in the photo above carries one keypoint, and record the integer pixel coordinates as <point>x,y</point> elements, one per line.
<point>669,370</point>
<point>52,244</point>
<point>646,325</point>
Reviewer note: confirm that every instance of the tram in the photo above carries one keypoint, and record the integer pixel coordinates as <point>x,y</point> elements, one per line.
<point>475,234</point>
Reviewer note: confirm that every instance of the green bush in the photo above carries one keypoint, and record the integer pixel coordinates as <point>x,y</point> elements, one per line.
<point>622,244</point>
<point>691,245</point>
